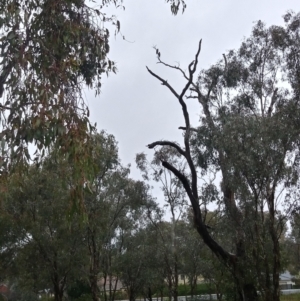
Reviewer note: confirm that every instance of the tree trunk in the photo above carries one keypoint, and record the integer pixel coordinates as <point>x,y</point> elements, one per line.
<point>58,285</point>
<point>94,266</point>
<point>161,295</point>
<point>58,295</point>
<point>104,286</point>
<point>170,289</point>
<point>175,294</point>
<point>94,291</point>
<point>193,285</point>
<point>246,290</point>
<point>175,286</point>
<point>149,294</point>
<point>276,248</point>
<point>131,294</point>
<point>115,289</point>
<point>58,290</point>
<point>250,293</point>
<point>110,286</point>
<point>219,296</point>
<point>94,285</point>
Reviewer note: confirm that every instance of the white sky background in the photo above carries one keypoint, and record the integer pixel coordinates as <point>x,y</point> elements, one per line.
<point>135,107</point>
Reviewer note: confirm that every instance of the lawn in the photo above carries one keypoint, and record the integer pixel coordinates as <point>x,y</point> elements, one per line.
<point>292,297</point>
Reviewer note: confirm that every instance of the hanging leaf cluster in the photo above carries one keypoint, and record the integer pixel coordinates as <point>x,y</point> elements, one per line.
<point>49,49</point>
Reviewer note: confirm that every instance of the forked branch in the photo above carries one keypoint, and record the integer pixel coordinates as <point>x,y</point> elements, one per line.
<point>164,83</point>
<point>192,69</point>
<point>190,185</point>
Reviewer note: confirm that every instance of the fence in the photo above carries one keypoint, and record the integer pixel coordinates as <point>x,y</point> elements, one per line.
<point>290,292</point>
<point>287,295</point>
<point>200,298</point>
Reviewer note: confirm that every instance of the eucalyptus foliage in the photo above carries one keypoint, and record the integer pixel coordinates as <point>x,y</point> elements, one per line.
<point>49,51</point>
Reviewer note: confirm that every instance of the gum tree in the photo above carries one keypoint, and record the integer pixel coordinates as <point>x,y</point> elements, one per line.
<point>44,249</point>
<point>113,206</point>
<point>170,240</point>
<point>249,134</point>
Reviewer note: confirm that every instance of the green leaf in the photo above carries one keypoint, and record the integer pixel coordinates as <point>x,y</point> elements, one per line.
<point>11,35</point>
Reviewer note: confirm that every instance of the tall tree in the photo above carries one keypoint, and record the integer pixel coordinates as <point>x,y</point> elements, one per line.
<point>112,207</point>
<point>193,255</point>
<point>249,133</point>
<point>174,195</point>
<point>132,263</point>
<point>47,247</point>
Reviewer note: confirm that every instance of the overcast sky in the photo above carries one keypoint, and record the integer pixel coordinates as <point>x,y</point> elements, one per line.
<point>135,107</point>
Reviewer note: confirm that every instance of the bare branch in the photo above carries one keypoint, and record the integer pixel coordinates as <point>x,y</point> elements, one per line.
<point>196,57</point>
<point>192,70</point>
<point>199,224</point>
<point>225,59</point>
<point>4,107</point>
<point>170,66</point>
<point>183,180</point>
<point>190,186</point>
<point>184,128</point>
<point>191,96</point>
<point>167,143</point>
<point>273,100</point>
<point>163,82</point>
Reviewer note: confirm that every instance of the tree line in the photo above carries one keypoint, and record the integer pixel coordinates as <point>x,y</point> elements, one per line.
<point>121,237</point>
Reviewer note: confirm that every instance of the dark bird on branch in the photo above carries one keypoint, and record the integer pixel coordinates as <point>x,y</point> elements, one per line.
<point>157,53</point>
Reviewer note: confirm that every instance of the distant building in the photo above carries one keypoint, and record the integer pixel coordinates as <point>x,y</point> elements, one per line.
<point>285,280</point>
<point>112,282</point>
<point>183,279</point>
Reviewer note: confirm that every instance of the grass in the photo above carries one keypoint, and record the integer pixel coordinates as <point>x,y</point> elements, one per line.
<point>184,290</point>
<point>292,297</point>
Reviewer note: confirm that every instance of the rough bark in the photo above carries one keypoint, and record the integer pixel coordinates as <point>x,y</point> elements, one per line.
<point>131,294</point>
<point>276,248</point>
<point>94,287</point>
<point>149,294</point>
<point>58,288</point>
<point>94,265</point>
<point>193,285</point>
